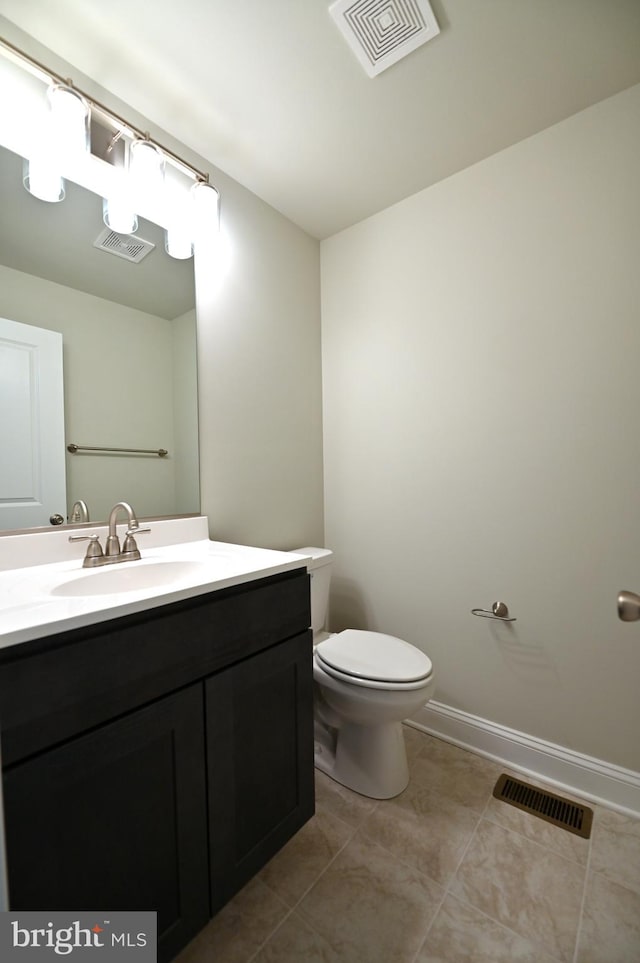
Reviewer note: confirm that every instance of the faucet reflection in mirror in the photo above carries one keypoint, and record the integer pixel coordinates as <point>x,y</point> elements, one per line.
<point>130,178</point>
<point>79,512</point>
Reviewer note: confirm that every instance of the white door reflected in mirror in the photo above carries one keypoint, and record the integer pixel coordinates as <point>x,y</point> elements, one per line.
<point>32,466</point>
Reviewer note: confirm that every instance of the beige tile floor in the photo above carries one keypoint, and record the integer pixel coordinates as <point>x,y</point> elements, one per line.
<point>444,873</point>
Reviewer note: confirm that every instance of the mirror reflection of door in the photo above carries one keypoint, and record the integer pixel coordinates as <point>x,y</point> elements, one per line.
<point>32,455</point>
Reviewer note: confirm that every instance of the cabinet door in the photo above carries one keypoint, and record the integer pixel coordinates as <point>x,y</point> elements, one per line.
<point>116,819</point>
<point>260,755</point>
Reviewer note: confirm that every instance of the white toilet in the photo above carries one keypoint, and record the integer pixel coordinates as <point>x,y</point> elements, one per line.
<point>365,684</point>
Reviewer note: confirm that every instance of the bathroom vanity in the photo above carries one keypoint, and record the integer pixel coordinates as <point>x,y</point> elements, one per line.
<point>156,757</point>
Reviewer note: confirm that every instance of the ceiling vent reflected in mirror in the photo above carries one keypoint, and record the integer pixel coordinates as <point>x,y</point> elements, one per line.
<point>381,32</point>
<point>127,246</point>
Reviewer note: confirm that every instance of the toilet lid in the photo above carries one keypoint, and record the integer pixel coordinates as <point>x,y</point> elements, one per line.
<point>372,655</point>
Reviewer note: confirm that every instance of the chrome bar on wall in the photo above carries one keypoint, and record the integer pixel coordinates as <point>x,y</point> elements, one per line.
<point>161,452</point>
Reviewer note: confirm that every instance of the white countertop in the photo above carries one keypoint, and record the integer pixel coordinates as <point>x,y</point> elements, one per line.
<point>38,600</point>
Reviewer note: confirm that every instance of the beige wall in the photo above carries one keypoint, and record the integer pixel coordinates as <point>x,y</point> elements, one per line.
<point>481,343</point>
<point>259,380</point>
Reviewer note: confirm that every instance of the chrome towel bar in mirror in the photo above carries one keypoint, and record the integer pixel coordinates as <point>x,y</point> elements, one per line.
<point>161,452</point>
<point>499,612</point>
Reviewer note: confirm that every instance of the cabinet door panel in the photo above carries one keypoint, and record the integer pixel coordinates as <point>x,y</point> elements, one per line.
<point>260,751</point>
<point>116,819</point>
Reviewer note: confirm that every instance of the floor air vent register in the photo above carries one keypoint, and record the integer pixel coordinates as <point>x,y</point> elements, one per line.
<point>553,809</point>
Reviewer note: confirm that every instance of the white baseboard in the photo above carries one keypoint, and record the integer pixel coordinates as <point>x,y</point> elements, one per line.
<point>592,779</point>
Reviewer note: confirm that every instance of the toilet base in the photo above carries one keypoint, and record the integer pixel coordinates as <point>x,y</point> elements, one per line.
<point>370,760</point>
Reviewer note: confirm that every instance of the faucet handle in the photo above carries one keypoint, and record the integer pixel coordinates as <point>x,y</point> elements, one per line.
<point>94,537</point>
<point>130,548</point>
<point>94,548</point>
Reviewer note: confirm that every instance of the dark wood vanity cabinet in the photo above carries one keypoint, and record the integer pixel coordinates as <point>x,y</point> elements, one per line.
<point>172,798</point>
<point>258,766</point>
<point>116,819</point>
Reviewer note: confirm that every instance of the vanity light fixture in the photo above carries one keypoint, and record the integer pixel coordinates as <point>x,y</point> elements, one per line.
<point>178,241</point>
<point>70,112</point>
<point>41,179</point>
<point>209,240</point>
<point>117,210</point>
<point>65,135</point>
<point>206,210</point>
<point>144,180</point>
<point>197,220</point>
<point>146,166</point>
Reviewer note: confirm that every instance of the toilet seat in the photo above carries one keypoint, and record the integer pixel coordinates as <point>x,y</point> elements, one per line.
<point>373,660</point>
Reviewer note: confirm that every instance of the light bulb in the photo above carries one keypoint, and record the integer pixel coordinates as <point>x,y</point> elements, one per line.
<point>178,243</point>
<point>64,135</point>
<point>206,213</point>
<point>70,120</point>
<point>118,215</point>
<point>42,180</point>
<point>146,170</point>
<point>178,238</point>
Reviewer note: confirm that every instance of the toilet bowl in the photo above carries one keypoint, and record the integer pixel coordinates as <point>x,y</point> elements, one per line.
<point>365,684</point>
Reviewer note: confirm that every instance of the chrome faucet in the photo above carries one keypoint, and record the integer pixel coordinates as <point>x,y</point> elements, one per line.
<point>79,512</point>
<point>113,553</point>
<point>112,546</point>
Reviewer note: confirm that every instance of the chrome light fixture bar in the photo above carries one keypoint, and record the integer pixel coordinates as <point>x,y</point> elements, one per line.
<point>51,77</point>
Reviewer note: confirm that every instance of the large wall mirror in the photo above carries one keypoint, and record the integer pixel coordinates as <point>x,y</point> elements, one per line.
<point>129,349</point>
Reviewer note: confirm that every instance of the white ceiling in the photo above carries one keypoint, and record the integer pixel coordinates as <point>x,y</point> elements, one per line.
<point>270,92</point>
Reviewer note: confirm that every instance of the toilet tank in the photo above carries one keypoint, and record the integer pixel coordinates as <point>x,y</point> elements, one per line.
<point>319,567</point>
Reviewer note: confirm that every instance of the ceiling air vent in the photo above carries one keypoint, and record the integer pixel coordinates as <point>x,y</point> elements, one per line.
<point>381,32</point>
<point>128,246</point>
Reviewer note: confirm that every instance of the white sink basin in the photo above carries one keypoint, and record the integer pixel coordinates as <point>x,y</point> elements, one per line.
<point>42,598</point>
<point>130,577</point>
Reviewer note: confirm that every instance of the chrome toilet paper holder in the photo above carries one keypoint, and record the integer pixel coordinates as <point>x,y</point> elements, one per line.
<point>499,612</point>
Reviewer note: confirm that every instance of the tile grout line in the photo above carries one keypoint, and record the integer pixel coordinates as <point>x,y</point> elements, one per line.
<point>278,925</point>
<point>306,891</point>
<point>319,877</point>
<point>446,887</point>
<point>542,846</point>
<point>448,891</point>
<point>272,933</point>
<point>584,888</point>
<point>549,849</point>
<point>509,929</point>
<point>466,848</point>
